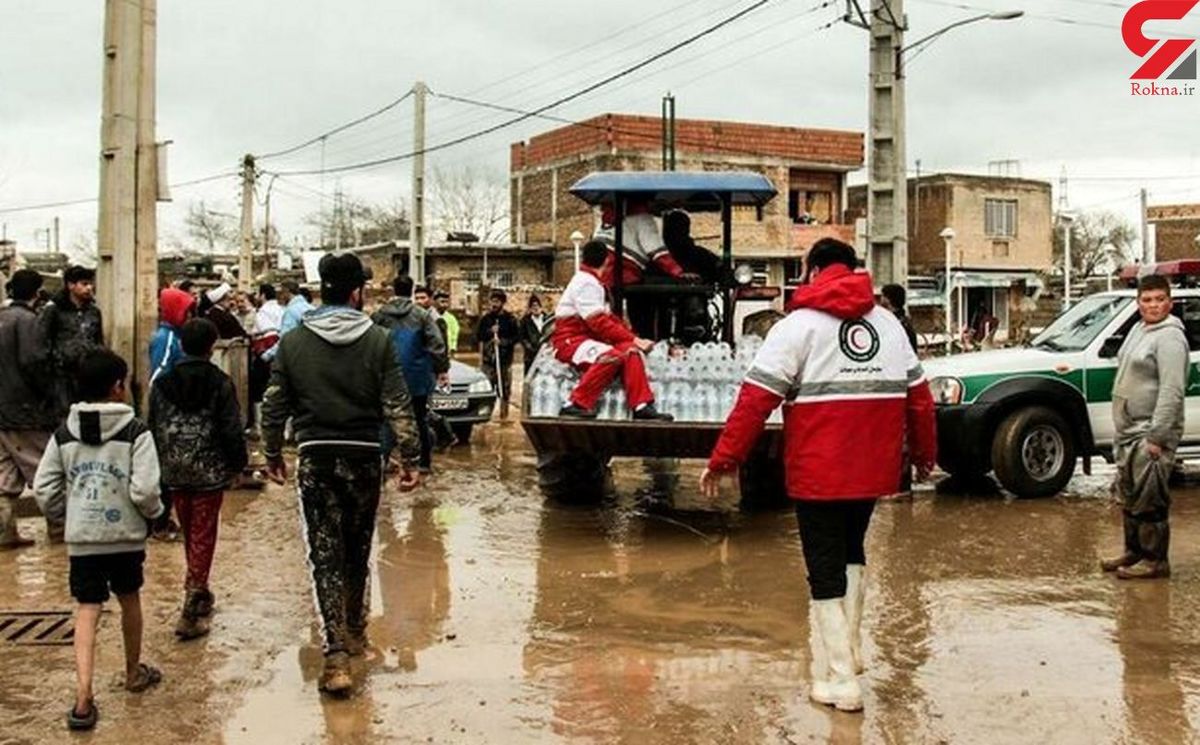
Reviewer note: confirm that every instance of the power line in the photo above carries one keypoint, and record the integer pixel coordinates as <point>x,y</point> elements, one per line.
<point>89,200</point>
<point>560,101</point>
<point>1065,20</point>
<point>335,130</point>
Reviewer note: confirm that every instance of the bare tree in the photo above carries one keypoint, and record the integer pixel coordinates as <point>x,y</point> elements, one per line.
<point>1100,240</point>
<point>217,230</point>
<point>470,200</point>
<point>353,221</point>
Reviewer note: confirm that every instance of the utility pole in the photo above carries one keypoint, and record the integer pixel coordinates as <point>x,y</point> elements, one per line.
<point>127,229</point>
<point>57,246</point>
<point>246,255</point>
<point>417,252</point>
<point>267,227</point>
<point>668,132</point>
<point>1148,252</point>
<point>887,188</point>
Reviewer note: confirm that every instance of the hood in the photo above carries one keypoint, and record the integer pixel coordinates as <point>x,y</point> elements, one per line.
<point>95,424</point>
<point>1168,322</point>
<point>337,324</point>
<point>1014,360</point>
<point>398,307</point>
<point>838,291</point>
<point>190,383</point>
<point>173,306</point>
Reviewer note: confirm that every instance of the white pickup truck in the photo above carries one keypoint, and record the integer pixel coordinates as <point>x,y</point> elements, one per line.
<point>1028,413</point>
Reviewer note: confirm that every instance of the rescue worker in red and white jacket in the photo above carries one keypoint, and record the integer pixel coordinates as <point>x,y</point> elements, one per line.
<point>851,387</point>
<point>588,336</point>
<point>643,244</point>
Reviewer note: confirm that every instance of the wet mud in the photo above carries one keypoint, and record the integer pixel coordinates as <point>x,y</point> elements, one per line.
<point>500,618</point>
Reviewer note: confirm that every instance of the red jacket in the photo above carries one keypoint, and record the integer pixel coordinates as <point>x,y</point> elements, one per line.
<point>582,315</point>
<point>852,390</point>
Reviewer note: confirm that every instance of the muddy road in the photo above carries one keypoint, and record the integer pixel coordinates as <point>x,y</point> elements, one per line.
<point>501,619</point>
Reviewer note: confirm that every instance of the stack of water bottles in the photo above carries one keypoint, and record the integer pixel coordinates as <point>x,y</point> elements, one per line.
<point>694,384</point>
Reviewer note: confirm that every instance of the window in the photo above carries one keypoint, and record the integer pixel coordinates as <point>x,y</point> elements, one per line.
<point>502,278</point>
<point>999,249</point>
<point>1000,218</point>
<point>1188,311</point>
<point>810,207</point>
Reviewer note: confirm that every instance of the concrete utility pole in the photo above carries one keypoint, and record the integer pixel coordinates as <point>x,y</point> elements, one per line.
<point>417,253</point>
<point>668,132</point>
<point>1148,252</point>
<point>246,255</point>
<point>127,230</point>
<point>887,191</point>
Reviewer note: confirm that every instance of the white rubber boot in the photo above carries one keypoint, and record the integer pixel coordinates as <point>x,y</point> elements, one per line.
<point>856,589</point>
<point>818,668</point>
<point>841,689</point>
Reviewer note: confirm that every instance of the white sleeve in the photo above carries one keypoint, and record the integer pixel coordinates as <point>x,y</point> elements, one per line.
<point>779,363</point>
<point>648,237</point>
<point>590,300</point>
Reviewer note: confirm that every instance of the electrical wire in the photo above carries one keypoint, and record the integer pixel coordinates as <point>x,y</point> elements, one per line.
<point>560,101</point>
<point>90,200</point>
<point>348,125</point>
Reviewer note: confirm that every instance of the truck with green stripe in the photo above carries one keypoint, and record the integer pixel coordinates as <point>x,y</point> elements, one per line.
<point>1029,413</point>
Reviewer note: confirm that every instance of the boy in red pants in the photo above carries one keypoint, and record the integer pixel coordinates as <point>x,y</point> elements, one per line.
<point>198,427</point>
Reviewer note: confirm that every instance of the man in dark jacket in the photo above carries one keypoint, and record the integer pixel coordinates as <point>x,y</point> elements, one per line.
<point>533,325</point>
<point>498,336</point>
<point>338,376</point>
<point>421,351</point>
<point>71,326</point>
<point>198,429</point>
<point>220,311</point>
<point>27,410</point>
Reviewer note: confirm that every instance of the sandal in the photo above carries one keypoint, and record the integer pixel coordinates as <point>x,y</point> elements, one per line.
<point>87,721</point>
<point>147,677</point>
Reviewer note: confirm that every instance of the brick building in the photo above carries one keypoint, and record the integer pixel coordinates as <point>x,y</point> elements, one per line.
<point>1003,241</point>
<point>1176,231</point>
<point>807,166</point>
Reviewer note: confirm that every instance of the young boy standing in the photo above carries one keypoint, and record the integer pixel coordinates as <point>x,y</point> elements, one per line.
<point>100,474</point>
<point>1148,410</point>
<point>197,423</point>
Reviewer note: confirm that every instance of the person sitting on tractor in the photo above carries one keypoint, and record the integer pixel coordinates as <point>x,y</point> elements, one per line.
<point>691,256</point>
<point>644,253</point>
<point>592,339</point>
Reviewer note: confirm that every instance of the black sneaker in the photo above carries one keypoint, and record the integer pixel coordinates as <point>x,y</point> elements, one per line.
<point>649,413</point>
<point>575,411</point>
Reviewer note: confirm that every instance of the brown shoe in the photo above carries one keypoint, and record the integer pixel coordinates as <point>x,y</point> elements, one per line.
<point>1145,570</point>
<point>1124,560</point>
<point>335,678</point>
<point>192,624</point>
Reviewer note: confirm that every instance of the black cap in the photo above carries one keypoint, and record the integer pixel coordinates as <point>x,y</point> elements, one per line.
<point>341,272</point>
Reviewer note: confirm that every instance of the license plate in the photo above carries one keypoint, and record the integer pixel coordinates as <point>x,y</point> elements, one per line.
<point>448,404</point>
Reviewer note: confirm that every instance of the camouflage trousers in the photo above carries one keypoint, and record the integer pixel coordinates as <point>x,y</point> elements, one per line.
<point>339,494</point>
<point>1142,486</point>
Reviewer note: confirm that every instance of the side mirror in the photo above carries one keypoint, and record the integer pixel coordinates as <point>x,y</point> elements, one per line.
<point>1111,346</point>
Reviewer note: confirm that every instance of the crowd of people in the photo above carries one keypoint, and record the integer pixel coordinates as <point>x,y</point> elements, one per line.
<point>858,415</point>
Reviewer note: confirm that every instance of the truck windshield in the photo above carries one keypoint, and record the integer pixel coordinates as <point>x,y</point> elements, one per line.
<point>1074,330</point>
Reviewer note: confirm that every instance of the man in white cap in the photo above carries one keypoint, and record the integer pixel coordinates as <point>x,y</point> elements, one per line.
<point>221,314</point>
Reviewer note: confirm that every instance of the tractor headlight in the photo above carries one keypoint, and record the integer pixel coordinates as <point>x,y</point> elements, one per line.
<point>743,274</point>
<point>483,385</point>
<point>946,390</point>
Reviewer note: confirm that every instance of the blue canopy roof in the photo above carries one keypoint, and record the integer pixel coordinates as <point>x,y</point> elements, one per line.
<point>697,191</point>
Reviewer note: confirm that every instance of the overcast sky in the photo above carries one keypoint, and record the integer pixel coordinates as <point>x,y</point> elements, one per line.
<point>238,76</point>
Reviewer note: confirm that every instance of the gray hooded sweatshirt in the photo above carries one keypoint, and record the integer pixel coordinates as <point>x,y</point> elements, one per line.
<point>1152,375</point>
<point>100,473</point>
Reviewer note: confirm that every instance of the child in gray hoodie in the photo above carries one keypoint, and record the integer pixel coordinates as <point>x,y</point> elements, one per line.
<point>100,474</point>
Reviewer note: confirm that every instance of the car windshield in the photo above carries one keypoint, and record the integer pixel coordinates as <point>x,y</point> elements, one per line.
<point>1074,330</point>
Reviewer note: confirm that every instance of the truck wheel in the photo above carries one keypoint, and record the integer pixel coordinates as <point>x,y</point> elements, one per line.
<point>574,478</point>
<point>462,432</point>
<point>1033,453</point>
<point>762,485</point>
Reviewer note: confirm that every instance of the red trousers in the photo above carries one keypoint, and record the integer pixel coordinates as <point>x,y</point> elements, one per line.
<point>199,514</point>
<point>624,360</point>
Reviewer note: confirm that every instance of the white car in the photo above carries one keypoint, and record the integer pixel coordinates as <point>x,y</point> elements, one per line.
<point>1028,413</point>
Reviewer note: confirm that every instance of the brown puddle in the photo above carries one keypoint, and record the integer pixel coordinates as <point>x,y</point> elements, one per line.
<point>502,619</point>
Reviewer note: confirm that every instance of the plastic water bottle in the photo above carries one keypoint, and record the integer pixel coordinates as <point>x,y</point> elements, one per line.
<point>712,404</point>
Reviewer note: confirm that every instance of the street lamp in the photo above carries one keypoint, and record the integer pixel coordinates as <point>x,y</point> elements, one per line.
<point>1066,219</point>
<point>1005,15</point>
<point>947,236</point>
<point>577,240</point>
